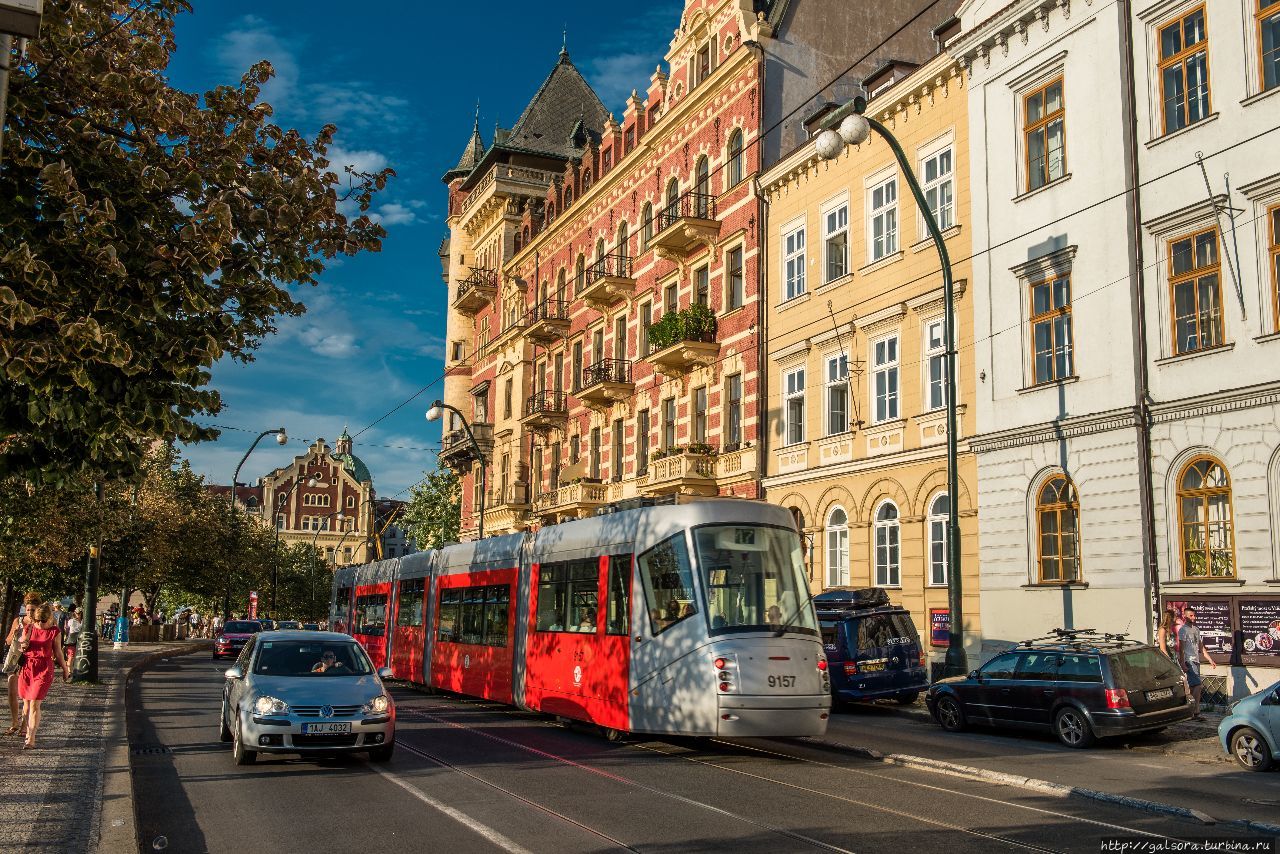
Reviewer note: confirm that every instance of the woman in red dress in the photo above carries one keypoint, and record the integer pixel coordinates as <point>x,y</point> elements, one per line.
<point>42,643</point>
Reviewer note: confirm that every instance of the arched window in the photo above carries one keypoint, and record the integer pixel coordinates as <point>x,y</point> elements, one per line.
<point>560,285</point>
<point>586,180</point>
<point>702,187</point>
<point>837,547</point>
<point>623,250</point>
<point>1204,509</point>
<point>939,513</point>
<point>1058,525</point>
<point>551,212</point>
<point>599,248</point>
<point>673,203</point>
<point>646,227</point>
<point>579,275</point>
<point>735,159</point>
<point>568,197</point>
<point>888,541</point>
<point>518,243</point>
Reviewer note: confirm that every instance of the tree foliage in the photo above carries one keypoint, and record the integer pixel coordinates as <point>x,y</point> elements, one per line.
<point>433,515</point>
<point>145,232</point>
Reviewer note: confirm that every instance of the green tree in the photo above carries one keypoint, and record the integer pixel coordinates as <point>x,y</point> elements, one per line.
<point>433,515</point>
<point>146,233</point>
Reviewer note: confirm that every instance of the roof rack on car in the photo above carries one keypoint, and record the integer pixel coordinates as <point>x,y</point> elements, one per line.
<point>1083,638</point>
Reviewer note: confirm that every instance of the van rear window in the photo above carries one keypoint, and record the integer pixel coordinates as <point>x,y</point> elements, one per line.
<point>881,630</point>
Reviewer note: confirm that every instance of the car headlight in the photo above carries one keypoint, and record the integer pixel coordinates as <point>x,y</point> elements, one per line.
<point>271,706</point>
<point>377,706</point>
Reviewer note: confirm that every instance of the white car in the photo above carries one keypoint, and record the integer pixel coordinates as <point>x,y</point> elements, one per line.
<point>306,692</point>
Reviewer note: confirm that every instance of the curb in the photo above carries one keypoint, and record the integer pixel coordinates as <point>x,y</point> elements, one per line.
<point>118,831</point>
<point>1057,790</point>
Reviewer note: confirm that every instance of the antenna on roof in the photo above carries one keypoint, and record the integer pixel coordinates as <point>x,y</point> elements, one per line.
<point>477,114</point>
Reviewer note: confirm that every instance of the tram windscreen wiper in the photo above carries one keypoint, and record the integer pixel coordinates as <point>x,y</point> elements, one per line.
<point>786,624</point>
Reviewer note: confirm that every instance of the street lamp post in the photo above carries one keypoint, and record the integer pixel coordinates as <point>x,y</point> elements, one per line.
<point>433,414</point>
<point>275,566</point>
<point>282,438</point>
<point>848,126</point>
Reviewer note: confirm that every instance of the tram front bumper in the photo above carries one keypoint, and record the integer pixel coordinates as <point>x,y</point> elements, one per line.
<point>772,716</point>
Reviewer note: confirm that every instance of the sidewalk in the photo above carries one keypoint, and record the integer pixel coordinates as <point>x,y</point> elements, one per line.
<point>59,796</point>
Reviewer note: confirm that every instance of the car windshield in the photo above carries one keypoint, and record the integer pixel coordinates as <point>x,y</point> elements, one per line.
<point>243,627</point>
<point>1141,667</point>
<point>311,659</point>
<point>754,576</point>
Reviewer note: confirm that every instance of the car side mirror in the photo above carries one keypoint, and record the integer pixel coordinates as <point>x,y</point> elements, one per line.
<point>1272,699</point>
<point>975,675</point>
<point>234,672</point>
<point>386,673</point>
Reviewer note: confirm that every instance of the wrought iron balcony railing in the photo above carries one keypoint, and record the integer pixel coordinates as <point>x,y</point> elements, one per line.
<point>690,205</point>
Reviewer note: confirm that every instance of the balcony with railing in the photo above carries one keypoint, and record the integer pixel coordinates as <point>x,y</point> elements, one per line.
<point>688,223</point>
<point>572,500</point>
<point>545,410</point>
<point>684,472</point>
<point>607,282</point>
<point>476,291</point>
<point>506,509</point>
<point>683,340</point>
<point>456,450</point>
<point>605,383</point>
<point>548,321</point>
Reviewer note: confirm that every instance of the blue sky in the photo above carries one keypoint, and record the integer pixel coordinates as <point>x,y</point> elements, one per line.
<point>401,81</point>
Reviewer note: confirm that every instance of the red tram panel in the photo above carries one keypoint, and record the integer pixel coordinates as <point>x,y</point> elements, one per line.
<point>475,669</point>
<point>408,632</point>
<point>369,620</point>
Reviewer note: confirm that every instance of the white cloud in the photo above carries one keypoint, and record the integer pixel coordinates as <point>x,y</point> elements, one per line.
<point>361,160</point>
<point>613,77</point>
<point>251,39</point>
<point>336,345</point>
<point>394,214</point>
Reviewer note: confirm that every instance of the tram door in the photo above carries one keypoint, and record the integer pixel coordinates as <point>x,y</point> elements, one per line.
<point>408,629</point>
<point>369,620</point>
<point>578,640</point>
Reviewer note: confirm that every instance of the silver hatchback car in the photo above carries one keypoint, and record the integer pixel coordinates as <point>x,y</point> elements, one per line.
<point>306,692</point>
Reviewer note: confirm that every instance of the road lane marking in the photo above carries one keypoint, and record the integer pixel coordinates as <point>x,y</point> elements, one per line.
<point>462,818</point>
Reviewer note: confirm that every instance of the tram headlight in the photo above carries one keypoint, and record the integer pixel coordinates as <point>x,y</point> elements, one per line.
<point>266,705</point>
<point>377,706</point>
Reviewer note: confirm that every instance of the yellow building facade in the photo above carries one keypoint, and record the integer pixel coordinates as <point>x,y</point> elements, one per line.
<point>855,361</point>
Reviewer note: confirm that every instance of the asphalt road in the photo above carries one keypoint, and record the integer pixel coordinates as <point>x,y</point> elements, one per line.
<point>473,776</point>
<point>1138,766</point>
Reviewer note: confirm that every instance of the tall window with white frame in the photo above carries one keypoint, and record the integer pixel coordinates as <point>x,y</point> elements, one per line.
<point>735,293</point>
<point>1196,292</point>
<point>793,262</point>
<point>884,378</point>
<point>1052,358</point>
<point>837,388</point>
<point>882,219</point>
<point>835,241</point>
<point>700,415</point>
<point>837,547</point>
<point>939,512</point>
<point>1268,16</point>
<point>669,424</point>
<point>1273,252</point>
<point>642,442</point>
<point>793,429</point>
<point>734,157</point>
<point>1045,134</point>
<point>733,412</point>
<point>888,538</point>
<point>939,188</point>
<point>1184,70</point>
<point>935,360</point>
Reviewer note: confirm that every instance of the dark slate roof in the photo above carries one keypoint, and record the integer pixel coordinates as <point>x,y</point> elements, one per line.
<point>470,156</point>
<point>549,123</point>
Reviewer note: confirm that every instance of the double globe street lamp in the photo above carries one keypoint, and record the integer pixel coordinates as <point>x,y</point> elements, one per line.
<point>282,438</point>
<point>848,126</point>
<point>434,414</point>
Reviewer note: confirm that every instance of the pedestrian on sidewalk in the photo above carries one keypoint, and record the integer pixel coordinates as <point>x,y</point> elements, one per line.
<point>1190,647</point>
<point>60,619</point>
<point>1168,636</point>
<point>13,645</point>
<point>75,625</point>
<point>42,643</point>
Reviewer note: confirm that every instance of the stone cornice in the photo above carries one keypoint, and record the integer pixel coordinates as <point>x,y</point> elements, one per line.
<point>1230,400</point>
<point>1051,431</point>
<point>1012,21</point>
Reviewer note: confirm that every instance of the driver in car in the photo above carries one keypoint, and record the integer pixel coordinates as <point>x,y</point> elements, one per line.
<point>328,661</point>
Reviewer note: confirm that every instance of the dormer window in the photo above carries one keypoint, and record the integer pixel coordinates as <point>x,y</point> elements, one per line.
<point>703,63</point>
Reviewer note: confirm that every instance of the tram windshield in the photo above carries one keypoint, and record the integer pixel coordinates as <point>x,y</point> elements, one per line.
<point>754,578</point>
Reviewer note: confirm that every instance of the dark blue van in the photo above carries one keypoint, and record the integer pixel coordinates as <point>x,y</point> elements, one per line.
<point>873,649</point>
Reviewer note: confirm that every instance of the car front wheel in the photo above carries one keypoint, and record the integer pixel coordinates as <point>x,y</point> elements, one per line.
<point>383,753</point>
<point>1250,750</point>
<point>1072,728</point>
<point>239,754</point>
<point>949,714</point>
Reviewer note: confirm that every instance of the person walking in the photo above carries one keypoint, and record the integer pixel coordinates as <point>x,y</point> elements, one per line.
<point>1167,638</point>
<point>60,620</point>
<point>1190,647</point>
<point>75,625</point>
<point>42,643</point>
<point>13,647</point>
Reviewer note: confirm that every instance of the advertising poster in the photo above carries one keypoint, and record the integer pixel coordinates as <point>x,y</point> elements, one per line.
<point>1213,616</point>
<point>1260,626</point>
<point>253,604</point>
<point>939,626</point>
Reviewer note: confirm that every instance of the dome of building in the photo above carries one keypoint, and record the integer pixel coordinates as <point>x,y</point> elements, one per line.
<point>353,464</point>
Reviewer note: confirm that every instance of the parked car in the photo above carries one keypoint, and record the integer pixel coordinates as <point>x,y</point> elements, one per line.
<point>1080,685</point>
<point>288,625</point>
<point>306,692</point>
<point>873,648</point>
<point>1251,730</point>
<point>232,638</point>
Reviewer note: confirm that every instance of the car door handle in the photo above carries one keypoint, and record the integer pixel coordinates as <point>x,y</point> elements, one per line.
<point>1049,692</point>
<point>1006,690</point>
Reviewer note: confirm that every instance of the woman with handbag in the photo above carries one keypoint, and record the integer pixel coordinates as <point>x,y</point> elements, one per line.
<point>42,646</point>
<point>13,661</point>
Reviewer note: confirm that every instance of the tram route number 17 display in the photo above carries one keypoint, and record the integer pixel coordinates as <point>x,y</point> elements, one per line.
<point>782,681</point>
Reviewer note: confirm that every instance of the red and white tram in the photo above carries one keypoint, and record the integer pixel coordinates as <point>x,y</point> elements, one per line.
<point>693,619</point>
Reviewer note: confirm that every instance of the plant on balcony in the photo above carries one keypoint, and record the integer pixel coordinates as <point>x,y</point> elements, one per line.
<point>695,323</point>
<point>701,449</point>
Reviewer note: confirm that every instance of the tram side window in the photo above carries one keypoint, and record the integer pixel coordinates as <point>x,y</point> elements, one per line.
<point>450,604</point>
<point>475,615</point>
<point>472,630</point>
<point>668,583</point>
<point>496,603</point>
<point>568,595</point>
<point>618,614</point>
<point>371,615</point>
<point>341,606</point>
<point>412,597</point>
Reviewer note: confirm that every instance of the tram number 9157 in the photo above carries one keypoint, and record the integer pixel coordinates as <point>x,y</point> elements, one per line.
<point>782,681</point>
